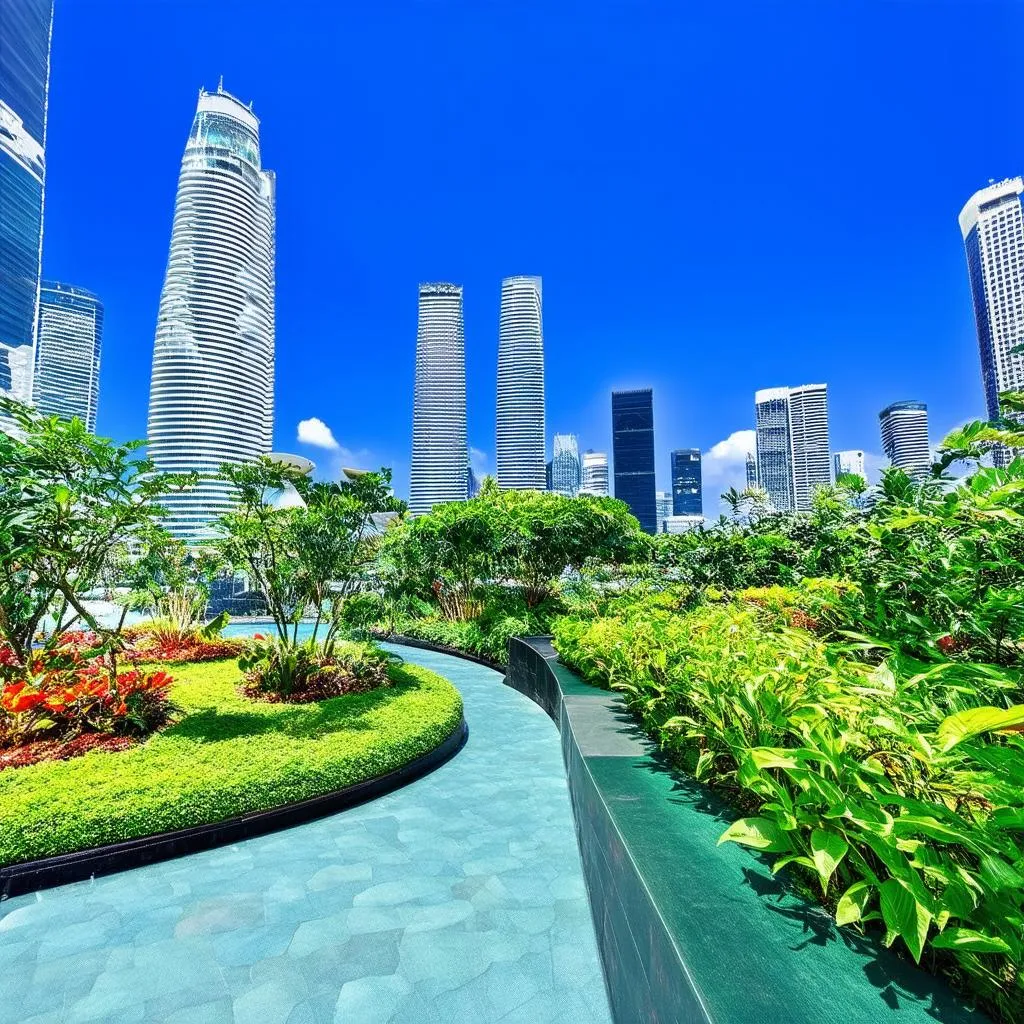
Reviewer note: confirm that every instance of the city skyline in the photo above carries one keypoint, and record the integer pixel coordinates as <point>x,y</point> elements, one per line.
<point>584,363</point>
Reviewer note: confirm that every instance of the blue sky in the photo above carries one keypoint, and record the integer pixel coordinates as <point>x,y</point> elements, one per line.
<point>719,197</point>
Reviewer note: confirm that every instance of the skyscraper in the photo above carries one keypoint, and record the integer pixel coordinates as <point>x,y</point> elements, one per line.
<point>751,470</point>
<point>663,504</point>
<point>849,462</point>
<point>633,452</point>
<point>595,473</point>
<point>904,427</point>
<point>808,434</point>
<point>992,225</point>
<point>67,372</point>
<point>25,28</point>
<point>774,465</point>
<point>211,396</point>
<point>440,464</point>
<point>565,465</point>
<point>687,499</point>
<point>520,419</point>
<point>792,444</point>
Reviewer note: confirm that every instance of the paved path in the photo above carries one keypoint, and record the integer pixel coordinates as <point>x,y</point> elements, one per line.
<point>458,898</point>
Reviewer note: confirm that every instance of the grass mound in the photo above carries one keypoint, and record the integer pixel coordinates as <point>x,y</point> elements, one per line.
<point>226,756</point>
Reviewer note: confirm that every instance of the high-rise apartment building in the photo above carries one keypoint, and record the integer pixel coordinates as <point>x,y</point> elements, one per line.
<point>67,372</point>
<point>850,462</point>
<point>440,464</point>
<point>793,444</point>
<point>595,473</point>
<point>211,396</point>
<point>566,471</point>
<point>751,468</point>
<point>520,413</point>
<point>808,435</point>
<point>25,29</point>
<point>663,504</point>
<point>992,225</point>
<point>687,499</point>
<point>904,427</point>
<point>633,454</point>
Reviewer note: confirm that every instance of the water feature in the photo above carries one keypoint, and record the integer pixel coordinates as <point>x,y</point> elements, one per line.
<point>457,898</point>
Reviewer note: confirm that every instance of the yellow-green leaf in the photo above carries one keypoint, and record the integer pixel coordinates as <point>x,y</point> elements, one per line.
<point>904,916</point>
<point>827,850</point>
<point>973,722</point>
<point>970,941</point>
<point>760,833</point>
<point>853,903</point>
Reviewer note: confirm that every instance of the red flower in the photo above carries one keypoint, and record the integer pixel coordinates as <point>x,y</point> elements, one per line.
<point>19,697</point>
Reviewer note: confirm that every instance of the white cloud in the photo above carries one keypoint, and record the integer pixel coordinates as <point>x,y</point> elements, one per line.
<point>480,461</point>
<point>724,465</point>
<point>315,432</point>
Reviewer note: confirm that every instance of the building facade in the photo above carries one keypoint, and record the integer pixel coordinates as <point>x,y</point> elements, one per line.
<point>811,450</point>
<point>633,454</point>
<point>566,472</point>
<point>904,427</point>
<point>520,412</point>
<point>849,462</point>
<point>67,370</point>
<point>25,30</point>
<point>594,473</point>
<point>682,524</point>
<point>663,504</point>
<point>774,465</point>
<point>440,454</point>
<point>212,391</point>
<point>687,496</point>
<point>751,469</point>
<point>992,226</point>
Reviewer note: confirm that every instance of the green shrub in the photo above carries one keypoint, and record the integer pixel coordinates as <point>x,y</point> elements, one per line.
<point>227,756</point>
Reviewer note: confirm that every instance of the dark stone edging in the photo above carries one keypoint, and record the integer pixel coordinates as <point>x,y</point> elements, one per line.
<point>29,876</point>
<point>690,932</point>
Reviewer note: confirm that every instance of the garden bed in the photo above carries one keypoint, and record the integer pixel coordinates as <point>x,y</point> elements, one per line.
<point>226,757</point>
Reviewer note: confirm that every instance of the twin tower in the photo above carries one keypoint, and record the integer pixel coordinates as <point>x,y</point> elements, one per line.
<point>440,452</point>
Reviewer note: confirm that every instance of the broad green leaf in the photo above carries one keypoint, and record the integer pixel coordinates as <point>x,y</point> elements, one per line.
<point>975,721</point>
<point>760,833</point>
<point>913,825</point>
<point>853,903</point>
<point>827,850</point>
<point>904,916</point>
<point>772,757</point>
<point>969,941</point>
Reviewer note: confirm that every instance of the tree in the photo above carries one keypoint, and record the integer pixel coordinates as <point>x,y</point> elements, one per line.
<point>71,505</point>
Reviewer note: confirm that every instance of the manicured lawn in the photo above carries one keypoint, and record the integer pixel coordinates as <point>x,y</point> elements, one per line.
<point>226,756</point>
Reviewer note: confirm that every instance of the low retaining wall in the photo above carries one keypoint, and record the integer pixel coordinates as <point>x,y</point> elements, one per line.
<point>29,876</point>
<point>690,931</point>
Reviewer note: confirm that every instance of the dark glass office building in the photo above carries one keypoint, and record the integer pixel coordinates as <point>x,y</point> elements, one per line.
<point>687,498</point>
<point>633,452</point>
<point>24,79</point>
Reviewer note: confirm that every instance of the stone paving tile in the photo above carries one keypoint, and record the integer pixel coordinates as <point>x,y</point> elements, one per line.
<point>457,898</point>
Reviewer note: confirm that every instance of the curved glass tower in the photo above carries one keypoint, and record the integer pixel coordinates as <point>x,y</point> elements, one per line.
<point>520,436</point>
<point>25,28</point>
<point>212,392</point>
<point>67,375</point>
<point>440,457</point>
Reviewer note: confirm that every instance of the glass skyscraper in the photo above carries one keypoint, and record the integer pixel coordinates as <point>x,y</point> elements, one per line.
<point>992,225</point>
<point>67,373</point>
<point>793,455</point>
<point>25,29</point>
<point>687,497</point>
<point>211,397</point>
<point>440,456</point>
<point>565,465</point>
<point>520,413</point>
<point>904,427</point>
<point>850,462</point>
<point>663,504</point>
<point>633,454</point>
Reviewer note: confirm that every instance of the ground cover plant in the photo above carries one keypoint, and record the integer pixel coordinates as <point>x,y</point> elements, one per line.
<point>226,755</point>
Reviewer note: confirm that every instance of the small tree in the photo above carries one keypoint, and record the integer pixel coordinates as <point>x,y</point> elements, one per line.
<point>71,505</point>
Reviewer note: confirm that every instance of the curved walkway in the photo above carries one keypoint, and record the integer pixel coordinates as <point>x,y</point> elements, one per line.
<point>457,898</point>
